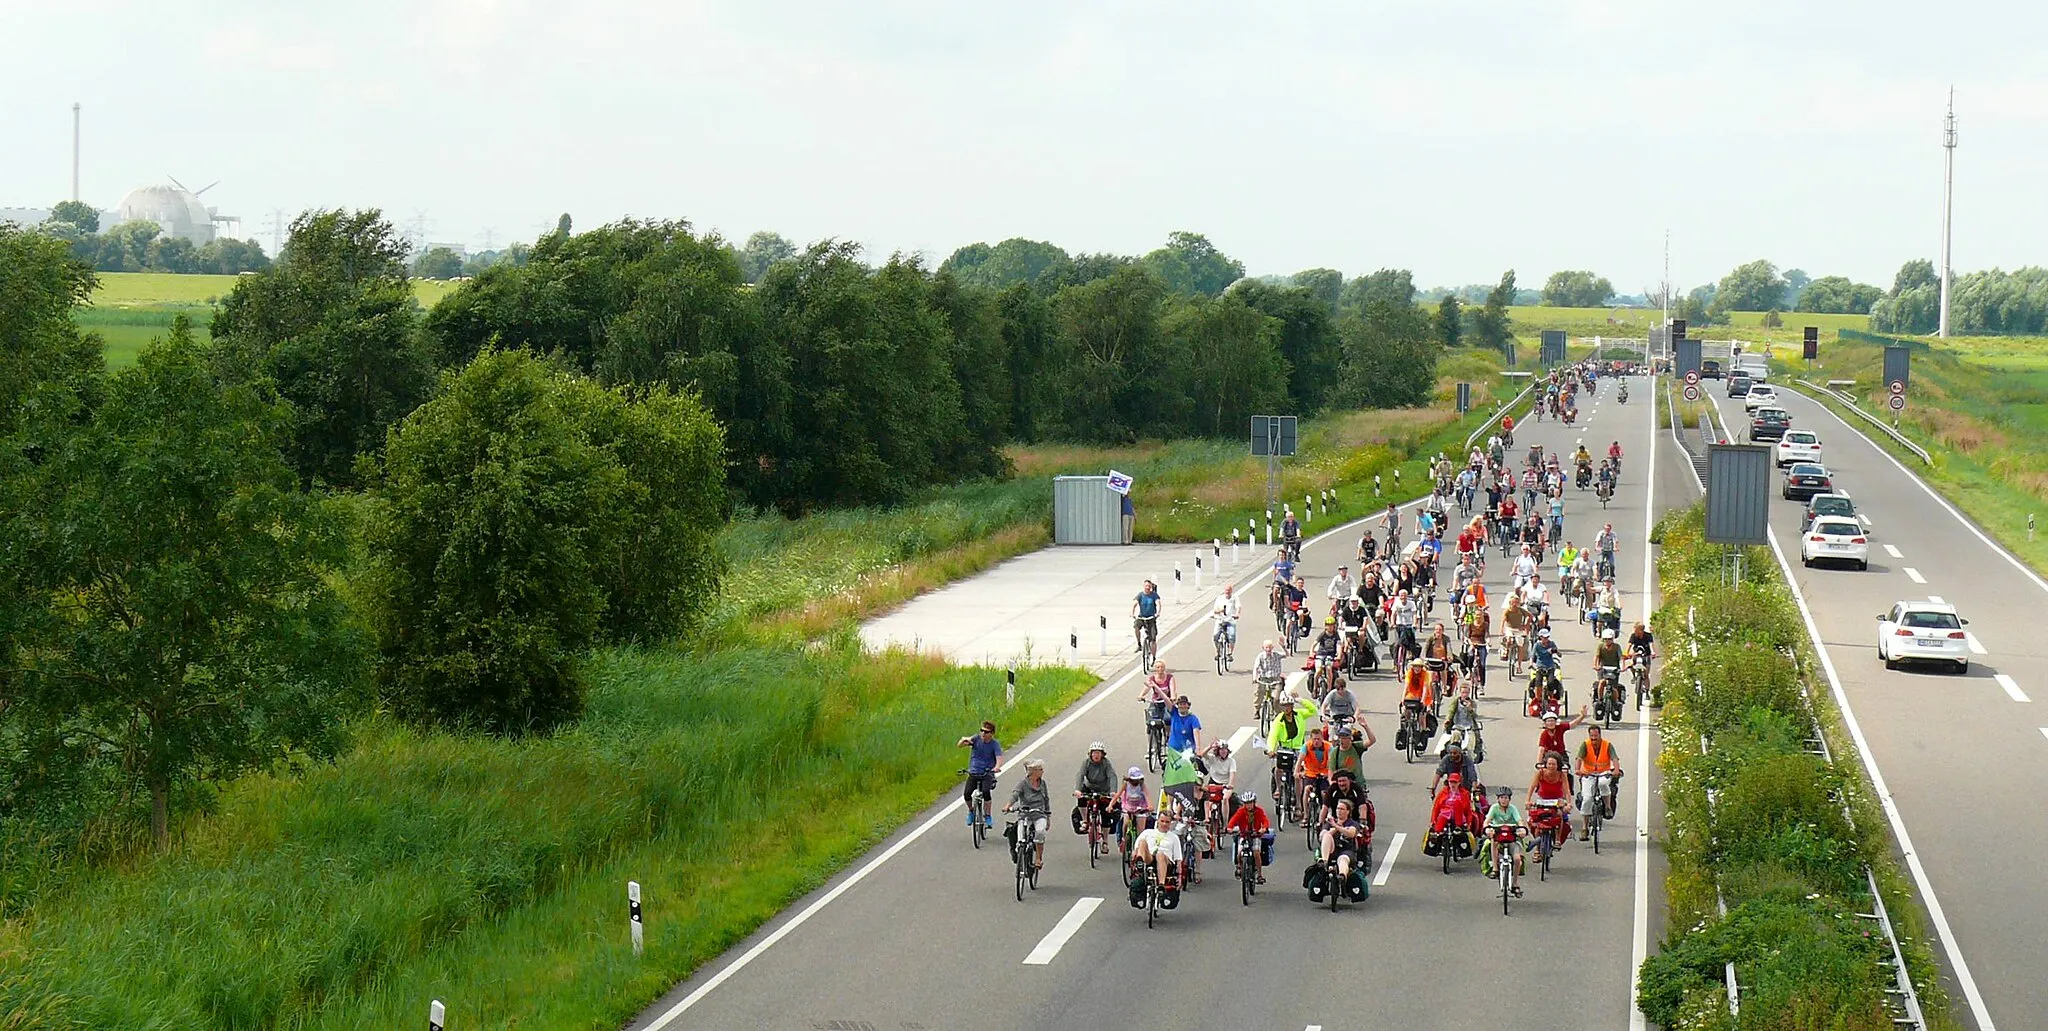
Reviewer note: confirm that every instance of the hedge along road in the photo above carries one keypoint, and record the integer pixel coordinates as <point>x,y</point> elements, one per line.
<point>925,932</point>
<point>1955,759</point>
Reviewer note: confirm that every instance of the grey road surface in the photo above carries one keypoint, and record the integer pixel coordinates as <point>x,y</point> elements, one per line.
<point>1964,757</point>
<point>925,933</point>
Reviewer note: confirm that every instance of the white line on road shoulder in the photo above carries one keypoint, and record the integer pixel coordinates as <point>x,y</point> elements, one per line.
<point>1971,996</point>
<point>1914,575</point>
<point>1971,640</point>
<point>2012,687</point>
<point>1639,939</point>
<point>1050,945</point>
<point>1893,552</point>
<point>1379,877</point>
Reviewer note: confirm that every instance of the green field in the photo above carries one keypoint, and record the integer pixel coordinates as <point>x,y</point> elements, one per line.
<point>131,308</point>
<point>1637,322</point>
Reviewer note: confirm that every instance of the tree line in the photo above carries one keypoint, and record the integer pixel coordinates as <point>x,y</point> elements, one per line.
<point>1989,302</point>
<point>220,555</point>
<point>140,246</point>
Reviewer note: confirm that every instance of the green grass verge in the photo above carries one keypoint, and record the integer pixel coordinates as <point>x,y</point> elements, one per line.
<point>151,289</point>
<point>490,873</point>
<point>1775,841</point>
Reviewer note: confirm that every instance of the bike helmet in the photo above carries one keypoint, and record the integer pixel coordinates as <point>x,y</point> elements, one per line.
<point>1097,746</point>
<point>1134,773</point>
<point>1504,792</point>
<point>1455,778</point>
<point>1248,797</point>
<point>1329,621</point>
<point>1221,747</point>
<point>1544,633</point>
<point>1607,635</point>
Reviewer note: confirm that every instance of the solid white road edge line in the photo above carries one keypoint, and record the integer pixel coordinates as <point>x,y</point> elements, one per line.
<point>1913,575</point>
<point>1971,995</point>
<point>1050,945</point>
<point>1379,876</point>
<point>1893,552</point>
<point>2011,686</point>
<point>1639,940</point>
<point>2009,557</point>
<point>952,808</point>
<point>1975,646</point>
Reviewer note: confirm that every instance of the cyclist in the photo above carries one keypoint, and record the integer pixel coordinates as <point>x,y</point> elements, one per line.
<point>1582,574</point>
<point>1504,813</point>
<point>1183,727</point>
<point>1341,586</point>
<point>1614,455</point>
<point>1094,784</point>
<point>1390,528</point>
<point>1351,620</point>
<point>1347,752</point>
<point>984,762</point>
<point>1131,803</point>
<point>1455,764</point>
<point>1344,836</point>
<point>1464,725</point>
<point>1604,543</point>
<point>1159,845</point>
<point>1157,693</point>
<point>1348,786</point>
<point>1267,672</point>
<point>1225,613</point>
<point>1283,568</point>
<point>1315,766</point>
<point>1514,628</point>
<point>1551,740</point>
<point>1285,743</point>
<point>1525,567</point>
<point>1454,808</point>
<point>1326,646</point>
<point>1642,641</point>
<point>1535,597</point>
<point>1145,614</point>
<point>1599,775</point>
<point>1544,685</point>
<point>1436,654</point>
<point>1249,821</point>
<point>1606,656</point>
<point>1478,625</point>
<point>1031,801</point>
<point>1406,615</point>
<point>1290,534</point>
<point>1565,557</point>
<point>1297,606</point>
<point>1556,516</point>
<point>1219,786</point>
<point>1551,789</point>
<point>1340,706</point>
<point>1607,607</point>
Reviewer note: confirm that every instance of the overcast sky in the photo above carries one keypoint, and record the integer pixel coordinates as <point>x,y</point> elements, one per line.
<point>1456,139</point>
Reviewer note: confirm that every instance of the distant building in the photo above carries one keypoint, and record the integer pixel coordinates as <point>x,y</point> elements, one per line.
<point>176,210</point>
<point>25,217</point>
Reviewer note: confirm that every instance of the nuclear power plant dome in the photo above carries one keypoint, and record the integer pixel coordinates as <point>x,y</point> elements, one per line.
<point>177,210</point>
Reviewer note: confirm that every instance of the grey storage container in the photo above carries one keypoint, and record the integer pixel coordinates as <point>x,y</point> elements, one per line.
<point>1086,511</point>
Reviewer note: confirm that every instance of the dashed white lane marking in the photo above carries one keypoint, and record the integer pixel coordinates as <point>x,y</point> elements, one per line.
<point>2012,687</point>
<point>1914,575</point>
<point>1971,640</point>
<point>1387,861</point>
<point>2044,731</point>
<point>1237,740</point>
<point>1050,945</point>
<point>1936,598</point>
<point>1893,552</point>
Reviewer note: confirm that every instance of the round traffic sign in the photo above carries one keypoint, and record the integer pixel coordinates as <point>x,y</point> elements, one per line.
<point>1898,402</point>
<point>1692,392</point>
<point>1898,387</point>
<point>1692,377</point>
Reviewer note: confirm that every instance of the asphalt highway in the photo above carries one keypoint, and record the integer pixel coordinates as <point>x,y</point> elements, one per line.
<point>1960,759</point>
<point>924,932</point>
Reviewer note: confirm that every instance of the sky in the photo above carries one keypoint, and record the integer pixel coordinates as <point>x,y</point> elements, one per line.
<point>1456,139</point>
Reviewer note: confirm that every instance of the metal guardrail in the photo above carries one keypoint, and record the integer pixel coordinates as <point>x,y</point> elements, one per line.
<point>1844,398</point>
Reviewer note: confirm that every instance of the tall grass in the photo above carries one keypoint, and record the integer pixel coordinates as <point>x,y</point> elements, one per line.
<point>488,872</point>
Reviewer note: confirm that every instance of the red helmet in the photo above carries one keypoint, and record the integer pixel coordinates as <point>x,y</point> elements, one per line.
<point>1455,778</point>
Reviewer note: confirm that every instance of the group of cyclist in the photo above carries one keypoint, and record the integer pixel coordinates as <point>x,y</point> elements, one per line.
<point>1319,734</point>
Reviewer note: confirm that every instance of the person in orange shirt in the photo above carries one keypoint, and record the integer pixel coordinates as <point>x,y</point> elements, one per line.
<point>1314,769</point>
<point>1418,693</point>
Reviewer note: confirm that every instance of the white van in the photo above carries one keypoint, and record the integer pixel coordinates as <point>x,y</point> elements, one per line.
<point>1754,365</point>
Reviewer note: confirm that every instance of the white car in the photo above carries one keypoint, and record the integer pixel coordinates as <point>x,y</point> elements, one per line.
<point>1760,394</point>
<point>1835,539</point>
<point>1798,446</point>
<point>1922,631</point>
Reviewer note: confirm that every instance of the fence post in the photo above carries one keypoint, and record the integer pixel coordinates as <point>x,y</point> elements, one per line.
<point>633,913</point>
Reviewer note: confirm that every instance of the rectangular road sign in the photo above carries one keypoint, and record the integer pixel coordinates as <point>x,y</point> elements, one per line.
<point>1464,398</point>
<point>1553,347</point>
<point>1811,343</point>
<point>1897,365</point>
<point>1273,435</point>
<point>1738,493</point>
<point>1688,357</point>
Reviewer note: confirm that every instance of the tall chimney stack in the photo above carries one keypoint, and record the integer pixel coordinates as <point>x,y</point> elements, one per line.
<point>74,150</point>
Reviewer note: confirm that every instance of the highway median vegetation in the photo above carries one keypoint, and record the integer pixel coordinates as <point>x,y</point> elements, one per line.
<point>1758,818</point>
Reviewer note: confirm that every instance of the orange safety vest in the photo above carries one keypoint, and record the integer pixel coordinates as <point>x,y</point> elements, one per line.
<point>1315,759</point>
<point>1600,760</point>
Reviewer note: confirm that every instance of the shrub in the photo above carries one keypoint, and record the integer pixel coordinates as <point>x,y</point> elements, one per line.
<point>1736,678</point>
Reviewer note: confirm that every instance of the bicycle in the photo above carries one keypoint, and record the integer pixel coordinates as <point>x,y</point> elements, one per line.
<point>1247,867</point>
<point>1312,818</point>
<point>1333,891</point>
<point>1126,841</point>
<point>977,811</point>
<point>1225,636</point>
<point>1607,700</point>
<point>1414,738</point>
<point>1093,826</point>
<point>1501,861</point>
<point>1640,670</point>
<point>1263,700</point>
<point>1026,846</point>
<point>1146,630</point>
<point>1286,798</point>
<point>1544,821</point>
<point>1155,736</point>
<point>1595,787</point>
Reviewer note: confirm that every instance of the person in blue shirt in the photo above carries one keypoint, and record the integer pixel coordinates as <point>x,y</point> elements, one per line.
<point>1543,660</point>
<point>984,762</point>
<point>1183,727</point>
<point>1283,568</point>
<point>1145,612</point>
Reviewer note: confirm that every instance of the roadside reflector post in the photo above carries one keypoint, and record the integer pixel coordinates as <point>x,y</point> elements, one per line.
<point>1198,572</point>
<point>1176,583</point>
<point>1269,528</point>
<point>1010,688</point>
<point>1233,545</point>
<point>1103,622</point>
<point>633,914</point>
<point>1073,644</point>
<point>1375,485</point>
<point>1308,508</point>
<point>437,1016</point>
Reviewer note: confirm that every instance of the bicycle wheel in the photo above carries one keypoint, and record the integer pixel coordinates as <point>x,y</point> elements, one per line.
<point>1031,860</point>
<point>1506,871</point>
<point>1151,901</point>
<point>1545,844</point>
<point>1244,881</point>
<point>1593,822</point>
<point>974,827</point>
<point>1313,815</point>
<point>1444,848</point>
<point>1123,853</point>
<point>1334,889</point>
<point>1023,861</point>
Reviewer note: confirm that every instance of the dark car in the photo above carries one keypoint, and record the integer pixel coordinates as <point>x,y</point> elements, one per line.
<point>1805,479</point>
<point>1738,385</point>
<point>1835,504</point>
<point>1710,369</point>
<point>1769,424</point>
